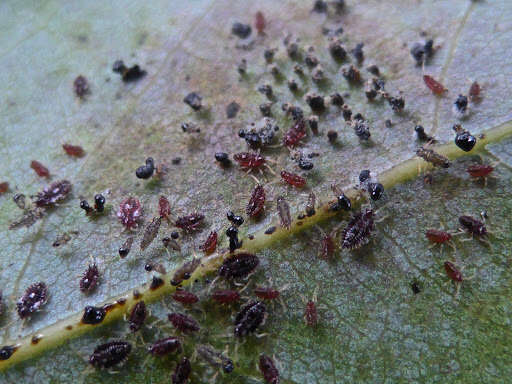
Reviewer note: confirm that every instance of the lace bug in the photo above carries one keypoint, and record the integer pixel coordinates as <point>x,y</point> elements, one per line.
<point>249,318</point>
<point>268,369</point>
<point>185,297</point>
<point>109,354</point>
<point>33,299</point>
<point>137,316</point>
<point>183,322</point>
<point>39,169</point>
<point>89,279</point>
<point>165,346</point>
<point>256,202</point>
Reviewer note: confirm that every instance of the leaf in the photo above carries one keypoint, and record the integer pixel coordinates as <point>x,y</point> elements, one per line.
<point>371,324</point>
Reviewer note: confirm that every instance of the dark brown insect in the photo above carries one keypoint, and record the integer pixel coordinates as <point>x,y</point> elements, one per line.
<point>183,322</point>
<point>109,354</point>
<point>432,157</point>
<point>437,236</point>
<point>129,212</point>
<point>226,296</point>
<point>190,222</point>
<point>266,293</point>
<point>249,318</point>
<point>185,297</point>
<point>89,279</point>
<point>215,358</point>
<point>283,209</point>
<point>165,346</point>
<point>210,243</point>
<point>156,282</point>
<point>256,202</point>
<point>327,247</point>
<point>81,86</point>
<point>39,168</point>
<point>184,272</point>
<point>453,272</point>
<point>164,207</point>
<point>268,369</point>
<point>124,250</point>
<point>293,179</point>
<point>93,315</point>
<point>435,86</point>
<point>473,226</point>
<point>474,91</point>
<point>150,232</point>
<point>73,150</point>
<point>7,351</point>
<point>32,300</point>
<point>479,170</point>
<point>311,314</point>
<point>137,316</point>
<point>239,265</point>
<point>4,187</point>
<point>259,22</point>
<point>53,193</point>
<point>358,230</point>
<point>182,372</point>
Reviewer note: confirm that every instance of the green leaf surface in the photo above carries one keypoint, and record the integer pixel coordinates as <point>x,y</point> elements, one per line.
<point>372,328</point>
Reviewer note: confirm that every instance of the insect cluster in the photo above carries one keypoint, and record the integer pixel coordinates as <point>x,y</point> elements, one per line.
<point>261,137</point>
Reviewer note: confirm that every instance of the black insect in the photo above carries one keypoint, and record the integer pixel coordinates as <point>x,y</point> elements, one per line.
<point>53,193</point>
<point>193,100</point>
<point>124,250</point>
<point>415,287</point>
<point>269,54</point>
<point>473,226</point>
<point>223,158</point>
<point>267,90</point>
<point>358,53</point>
<point>361,129</point>
<point>347,112</point>
<point>232,234</point>
<point>337,50</point>
<point>175,235</point>
<point>364,175</point>
<point>375,190</point>
<point>344,202</point>
<point>266,109</point>
<point>374,70</point>
<point>185,271</point>
<point>421,52</point>
<point>150,232</point>
<point>397,103</point>
<point>181,372</point>
<point>109,354</point>
<point>7,351</point>
<point>32,300</point>
<point>351,74</point>
<point>232,109</point>
<point>358,230</point>
<point>137,316</point>
<point>99,202</point>
<point>156,282</point>
<point>84,204</point>
<point>241,30</point>
<point>237,220</point>
<point>90,279</point>
<point>249,318</point>
<point>463,139</point>
<point>305,164</point>
<point>315,101</point>
<point>238,266</point>
<point>215,358</point>
<point>460,106</point>
<point>93,315</point>
<point>130,74</point>
<point>165,346</point>
<point>292,85</point>
<point>422,136</point>
<point>146,171</point>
